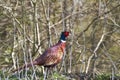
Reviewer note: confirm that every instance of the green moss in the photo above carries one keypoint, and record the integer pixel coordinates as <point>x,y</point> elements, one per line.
<point>58,76</point>
<point>107,77</point>
<point>102,77</point>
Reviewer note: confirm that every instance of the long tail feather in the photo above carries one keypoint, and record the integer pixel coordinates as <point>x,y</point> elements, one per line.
<point>25,66</point>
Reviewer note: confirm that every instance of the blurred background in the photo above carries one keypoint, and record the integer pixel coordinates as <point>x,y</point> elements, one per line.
<point>28,27</point>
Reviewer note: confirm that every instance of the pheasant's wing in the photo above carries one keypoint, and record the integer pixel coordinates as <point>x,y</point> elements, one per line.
<point>50,57</point>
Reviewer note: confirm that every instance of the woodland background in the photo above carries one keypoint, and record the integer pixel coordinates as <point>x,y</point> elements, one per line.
<point>28,27</point>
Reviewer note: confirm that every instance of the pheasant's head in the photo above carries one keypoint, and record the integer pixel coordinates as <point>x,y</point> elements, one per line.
<point>64,35</point>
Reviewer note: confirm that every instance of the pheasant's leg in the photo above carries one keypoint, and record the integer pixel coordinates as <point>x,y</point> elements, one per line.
<point>45,73</point>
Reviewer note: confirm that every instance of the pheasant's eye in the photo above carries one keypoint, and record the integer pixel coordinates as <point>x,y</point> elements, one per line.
<point>66,34</point>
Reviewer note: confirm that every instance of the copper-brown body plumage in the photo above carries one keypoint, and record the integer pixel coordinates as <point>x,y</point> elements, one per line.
<point>51,56</point>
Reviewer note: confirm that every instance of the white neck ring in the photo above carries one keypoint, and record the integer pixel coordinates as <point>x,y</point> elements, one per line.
<point>63,41</point>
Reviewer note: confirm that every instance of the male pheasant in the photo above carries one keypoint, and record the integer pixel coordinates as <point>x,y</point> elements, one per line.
<point>52,56</point>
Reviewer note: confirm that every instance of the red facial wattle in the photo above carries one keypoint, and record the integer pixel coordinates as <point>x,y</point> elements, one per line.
<point>66,34</point>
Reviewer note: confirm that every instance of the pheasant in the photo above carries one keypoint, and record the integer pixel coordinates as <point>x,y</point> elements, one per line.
<point>52,56</point>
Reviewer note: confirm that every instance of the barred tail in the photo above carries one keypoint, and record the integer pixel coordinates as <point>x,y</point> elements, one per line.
<point>25,66</point>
